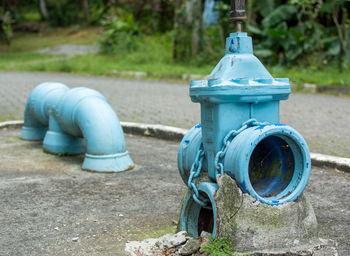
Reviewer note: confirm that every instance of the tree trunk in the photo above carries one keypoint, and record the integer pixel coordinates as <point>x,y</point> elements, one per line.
<point>197,25</point>
<point>250,12</point>
<point>156,14</point>
<point>43,10</point>
<point>188,28</point>
<point>86,10</point>
<point>341,35</point>
<point>178,3</point>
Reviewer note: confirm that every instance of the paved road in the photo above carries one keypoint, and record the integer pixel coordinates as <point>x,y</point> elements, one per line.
<point>324,121</point>
<point>47,200</point>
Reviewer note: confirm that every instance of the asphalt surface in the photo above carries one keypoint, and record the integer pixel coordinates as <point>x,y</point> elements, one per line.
<point>49,206</point>
<point>48,201</point>
<point>324,121</point>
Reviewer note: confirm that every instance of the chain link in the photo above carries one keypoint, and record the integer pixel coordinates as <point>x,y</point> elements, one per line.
<point>194,173</point>
<point>227,140</point>
<point>196,167</point>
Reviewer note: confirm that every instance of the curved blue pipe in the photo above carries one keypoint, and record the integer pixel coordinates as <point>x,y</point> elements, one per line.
<point>81,120</point>
<point>36,113</point>
<point>187,151</point>
<point>190,212</point>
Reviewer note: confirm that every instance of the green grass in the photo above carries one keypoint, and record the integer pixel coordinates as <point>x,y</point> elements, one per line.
<point>326,76</point>
<point>96,64</point>
<point>153,55</point>
<point>218,247</point>
<point>28,42</point>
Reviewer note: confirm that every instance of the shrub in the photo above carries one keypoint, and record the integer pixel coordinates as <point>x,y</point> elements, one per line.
<point>120,33</point>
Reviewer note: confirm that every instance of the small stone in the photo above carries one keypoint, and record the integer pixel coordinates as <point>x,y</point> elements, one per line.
<point>157,246</point>
<point>205,234</point>
<point>205,238</point>
<point>121,215</point>
<point>75,239</point>
<point>192,246</point>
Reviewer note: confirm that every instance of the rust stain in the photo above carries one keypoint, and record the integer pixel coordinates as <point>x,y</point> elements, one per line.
<point>217,222</point>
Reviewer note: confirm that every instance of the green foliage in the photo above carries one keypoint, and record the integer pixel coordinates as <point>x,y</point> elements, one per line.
<point>266,6</point>
<point>296,31</point>
<point>120,33</point>
<point>151,15</point>
<point>153,55</point>
<point>286,32</point>
<point>64,12</point>
<point>5,26</point>
<point>218,247</point>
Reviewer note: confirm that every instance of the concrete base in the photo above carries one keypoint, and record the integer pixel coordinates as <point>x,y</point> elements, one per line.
<point>255,228</point>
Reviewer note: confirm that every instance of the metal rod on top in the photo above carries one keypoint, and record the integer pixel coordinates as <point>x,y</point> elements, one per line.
<point>238,13</point>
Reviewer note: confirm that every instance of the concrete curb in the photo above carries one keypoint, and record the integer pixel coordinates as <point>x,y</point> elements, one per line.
<point>8,124</point>
<point>142,75</point>
<point>176,134</point>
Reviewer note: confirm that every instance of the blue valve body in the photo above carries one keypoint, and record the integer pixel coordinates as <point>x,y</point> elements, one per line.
<point>269,160</point>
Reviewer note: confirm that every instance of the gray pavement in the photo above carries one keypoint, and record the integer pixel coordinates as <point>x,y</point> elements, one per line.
<point>47,200</point>
<point>323,120</point>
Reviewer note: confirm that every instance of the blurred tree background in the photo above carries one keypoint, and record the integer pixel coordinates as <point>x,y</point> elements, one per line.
<point>305,33</point>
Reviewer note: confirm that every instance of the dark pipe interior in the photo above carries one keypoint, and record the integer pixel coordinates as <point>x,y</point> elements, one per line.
<point>206,219</point>
<point>271,166</point>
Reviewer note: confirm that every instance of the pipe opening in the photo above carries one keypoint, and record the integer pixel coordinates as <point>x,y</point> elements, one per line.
<point>271,166</point>
<point>206,218</point>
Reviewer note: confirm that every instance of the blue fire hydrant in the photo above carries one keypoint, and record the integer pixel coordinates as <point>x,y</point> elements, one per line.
<point>240,135</point>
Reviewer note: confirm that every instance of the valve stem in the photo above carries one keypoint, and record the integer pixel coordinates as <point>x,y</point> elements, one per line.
<point>238,13</point>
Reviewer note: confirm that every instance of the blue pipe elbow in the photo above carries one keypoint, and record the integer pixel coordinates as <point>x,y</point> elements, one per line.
<point>194,218</point>
<point>86,113</point>
<point>187,151</point>
<point>81,121</point>
<point>36,113</point>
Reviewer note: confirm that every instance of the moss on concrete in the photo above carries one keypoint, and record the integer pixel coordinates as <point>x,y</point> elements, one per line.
<point>156,232</point>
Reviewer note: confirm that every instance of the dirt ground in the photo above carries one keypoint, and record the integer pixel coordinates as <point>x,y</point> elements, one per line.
<point>49,206</point>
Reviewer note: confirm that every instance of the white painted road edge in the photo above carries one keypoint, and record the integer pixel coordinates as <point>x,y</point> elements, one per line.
<point>176,134</point>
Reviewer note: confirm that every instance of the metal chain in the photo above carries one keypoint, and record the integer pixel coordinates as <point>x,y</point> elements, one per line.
<point>196,167</point>
<point>227,140</point>
<point>194,173</point>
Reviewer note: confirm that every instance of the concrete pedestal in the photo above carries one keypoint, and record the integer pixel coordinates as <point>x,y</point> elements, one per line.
<point>254,228</point>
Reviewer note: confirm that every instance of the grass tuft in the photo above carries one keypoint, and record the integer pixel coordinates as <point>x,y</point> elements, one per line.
<point>218,247</point>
